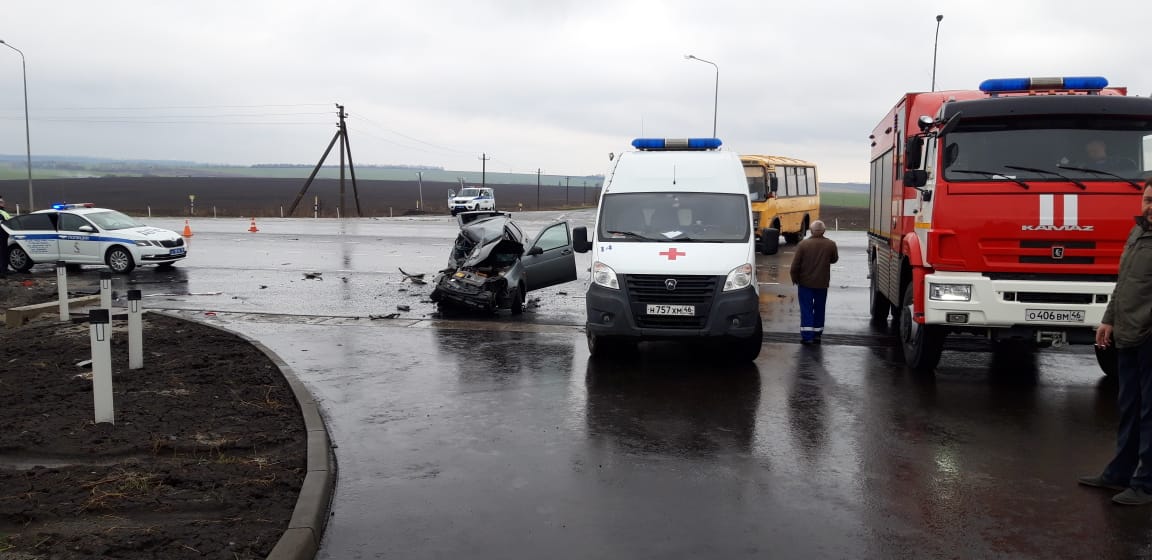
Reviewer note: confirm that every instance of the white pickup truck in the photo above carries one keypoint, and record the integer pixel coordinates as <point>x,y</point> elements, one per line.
<point>470,199</point>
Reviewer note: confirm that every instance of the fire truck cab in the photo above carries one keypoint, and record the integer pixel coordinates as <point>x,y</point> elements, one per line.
<point>1002,212</point>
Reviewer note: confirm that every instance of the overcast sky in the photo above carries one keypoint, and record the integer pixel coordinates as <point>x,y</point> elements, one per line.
<point>552,84</point>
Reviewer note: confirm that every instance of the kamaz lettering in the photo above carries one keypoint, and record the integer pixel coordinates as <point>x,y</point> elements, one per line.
<point>1057,228</point>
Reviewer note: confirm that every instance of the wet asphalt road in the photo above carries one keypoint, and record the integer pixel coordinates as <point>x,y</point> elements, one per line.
<point>496,438</point>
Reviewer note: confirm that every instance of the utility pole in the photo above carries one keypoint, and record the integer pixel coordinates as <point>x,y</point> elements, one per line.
<point>484,169</point>
<point>584,195</point>
<point>567,184</point>
<point>537,188</point>
<point>420,182</point>
<point>342,137</point>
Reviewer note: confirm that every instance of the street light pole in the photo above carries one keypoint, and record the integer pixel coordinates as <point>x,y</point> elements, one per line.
<point>934,45</point>
<point>27,134</point>
<point>420,182</point>
<point>716,97</point>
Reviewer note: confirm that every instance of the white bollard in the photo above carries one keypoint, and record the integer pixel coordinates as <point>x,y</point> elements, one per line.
<point>337,212</point>
<point>106,290</point>
<point>281,211</point>
<point>213,212</point>
<point>149,212</point>
<point>100,334</point>
<point>135,331</point>
<point>837,224</point>
<point>62,289</point>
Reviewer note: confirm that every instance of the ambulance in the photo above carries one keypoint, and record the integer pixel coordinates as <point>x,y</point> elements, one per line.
<point>673,251</point>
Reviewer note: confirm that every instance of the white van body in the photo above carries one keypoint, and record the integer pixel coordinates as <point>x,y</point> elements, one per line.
<point>673,251</point>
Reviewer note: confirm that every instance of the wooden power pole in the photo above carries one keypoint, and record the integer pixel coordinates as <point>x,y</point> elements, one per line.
<point>345,146</point>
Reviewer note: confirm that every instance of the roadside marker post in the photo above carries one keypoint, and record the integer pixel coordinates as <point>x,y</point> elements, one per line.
<point>135,331</point>
<point>100,335</point>
<point>62,289</point>
<point>106,290</point>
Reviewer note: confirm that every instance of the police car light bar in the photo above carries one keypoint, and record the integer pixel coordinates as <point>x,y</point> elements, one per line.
<point>656,144</point>
<point>71,206</point>
<point>1028,84</point>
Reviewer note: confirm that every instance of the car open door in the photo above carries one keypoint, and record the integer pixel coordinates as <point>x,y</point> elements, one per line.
<point>550,259</point>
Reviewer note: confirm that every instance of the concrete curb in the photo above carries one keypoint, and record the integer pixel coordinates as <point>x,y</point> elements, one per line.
<point>301,540</point>
<point>18,316</point>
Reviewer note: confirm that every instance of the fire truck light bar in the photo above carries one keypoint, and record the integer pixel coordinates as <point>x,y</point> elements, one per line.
<point>1025,84</point>
<point>655,144</point>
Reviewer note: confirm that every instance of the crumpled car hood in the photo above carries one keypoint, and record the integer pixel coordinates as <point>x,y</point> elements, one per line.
<point>486,236</point>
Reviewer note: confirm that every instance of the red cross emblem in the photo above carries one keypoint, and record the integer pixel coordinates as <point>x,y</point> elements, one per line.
<point>672,254</point>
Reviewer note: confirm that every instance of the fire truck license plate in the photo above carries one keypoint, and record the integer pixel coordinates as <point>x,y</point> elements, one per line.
<point>688,310</point>
<point>1054,315</point>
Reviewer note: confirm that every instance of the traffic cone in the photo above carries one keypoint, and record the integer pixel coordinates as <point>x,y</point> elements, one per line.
<point>187,229</point>
<point>252,228</point>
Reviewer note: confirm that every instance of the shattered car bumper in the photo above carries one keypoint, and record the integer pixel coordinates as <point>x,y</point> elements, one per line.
<point>467,289</point>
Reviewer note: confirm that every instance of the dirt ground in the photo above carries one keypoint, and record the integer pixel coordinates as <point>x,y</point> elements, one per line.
<point>205,460</point>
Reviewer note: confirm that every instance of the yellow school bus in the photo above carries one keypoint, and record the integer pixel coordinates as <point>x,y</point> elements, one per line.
<point>785,198</point>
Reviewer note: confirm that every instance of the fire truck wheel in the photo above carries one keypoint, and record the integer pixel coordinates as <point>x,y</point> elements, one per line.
<point>922,343</point>
<point>1108,360</point>
<point>880,307</point>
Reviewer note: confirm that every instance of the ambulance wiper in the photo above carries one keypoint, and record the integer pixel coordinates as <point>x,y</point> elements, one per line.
<point>632,235</point>
<point>991,175</point>
<point>1046,172</point>
<point>1099,172</point>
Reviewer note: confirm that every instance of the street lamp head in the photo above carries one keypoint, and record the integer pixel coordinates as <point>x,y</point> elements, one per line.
<point>687,56</point>
<point>939,17</point>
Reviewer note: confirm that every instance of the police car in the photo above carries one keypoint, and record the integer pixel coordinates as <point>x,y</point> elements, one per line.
<point>82,234</point>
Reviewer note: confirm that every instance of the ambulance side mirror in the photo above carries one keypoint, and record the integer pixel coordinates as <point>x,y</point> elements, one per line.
<point>580,242</point>
<point>914,153</point>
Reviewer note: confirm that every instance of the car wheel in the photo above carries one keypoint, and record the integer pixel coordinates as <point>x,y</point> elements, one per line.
<point>119,260</point>
<point>517,301</point>
<point>18,259</point>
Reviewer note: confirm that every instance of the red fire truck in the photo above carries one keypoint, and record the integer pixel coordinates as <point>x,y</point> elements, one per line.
<point>1002,212</point>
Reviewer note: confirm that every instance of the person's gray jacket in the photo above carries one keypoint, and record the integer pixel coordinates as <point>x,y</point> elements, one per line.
<point>1130,307</point>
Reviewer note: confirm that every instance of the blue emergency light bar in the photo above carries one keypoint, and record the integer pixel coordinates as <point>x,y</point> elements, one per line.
<point>655,144</point>
<point>1028,84</point>
<point>71,206</point>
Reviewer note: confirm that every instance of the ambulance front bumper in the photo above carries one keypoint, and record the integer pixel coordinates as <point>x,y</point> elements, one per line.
<point>614,313</point>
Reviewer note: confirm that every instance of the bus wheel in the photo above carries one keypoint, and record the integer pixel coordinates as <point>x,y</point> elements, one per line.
<point>922,344</point>
<point>1108,360</point>
<point>770,240</point>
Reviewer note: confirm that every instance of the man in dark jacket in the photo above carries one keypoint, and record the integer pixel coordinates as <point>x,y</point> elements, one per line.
<point>4,216</point>
<point>1127,324</point>
<point>811,272</point>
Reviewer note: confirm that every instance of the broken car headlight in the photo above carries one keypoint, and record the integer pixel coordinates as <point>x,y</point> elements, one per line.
<point>739,277</point>
<point>603,275</point>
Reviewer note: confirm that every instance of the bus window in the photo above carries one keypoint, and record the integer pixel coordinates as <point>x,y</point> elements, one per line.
<point>789,181</point>
<point>802,181</point>
<point>757,183</point>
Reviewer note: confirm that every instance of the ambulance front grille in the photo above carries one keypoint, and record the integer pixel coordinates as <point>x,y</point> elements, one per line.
<point>653,289</point>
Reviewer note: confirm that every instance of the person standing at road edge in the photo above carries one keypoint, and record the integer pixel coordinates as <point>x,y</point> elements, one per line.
<point>4,216</point>
<point>1127,324</point>
<point>811,272</point>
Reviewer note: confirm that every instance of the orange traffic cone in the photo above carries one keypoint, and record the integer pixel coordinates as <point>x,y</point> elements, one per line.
<point>187,229</point>
<point>252,228</point>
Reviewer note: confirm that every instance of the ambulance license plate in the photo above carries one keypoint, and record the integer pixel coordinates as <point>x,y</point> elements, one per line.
<point>176,251</point>
<point>1054,315</point>
<point>687,310</point>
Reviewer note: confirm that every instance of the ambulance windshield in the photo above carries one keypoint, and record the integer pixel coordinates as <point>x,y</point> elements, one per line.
<point>1079,148</point>
<point>662,216</point>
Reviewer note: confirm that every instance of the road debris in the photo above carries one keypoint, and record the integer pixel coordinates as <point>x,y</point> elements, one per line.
<point>403,308</point>
<point>417,279</point>
<point>388,316</point>
<point>313,275</point>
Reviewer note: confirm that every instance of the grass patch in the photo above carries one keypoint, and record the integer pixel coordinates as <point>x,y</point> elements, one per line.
<point>847,200</point>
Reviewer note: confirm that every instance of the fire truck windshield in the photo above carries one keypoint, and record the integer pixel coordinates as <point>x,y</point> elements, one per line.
<point>1053,148</point>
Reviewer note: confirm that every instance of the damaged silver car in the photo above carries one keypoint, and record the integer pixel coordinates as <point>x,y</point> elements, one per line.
<point>490,267</point>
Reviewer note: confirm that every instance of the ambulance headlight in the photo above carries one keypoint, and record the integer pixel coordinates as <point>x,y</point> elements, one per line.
<point>143,243</point>
<point>950,292</point>
<point>603,275</point>
<point>740,277</point>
